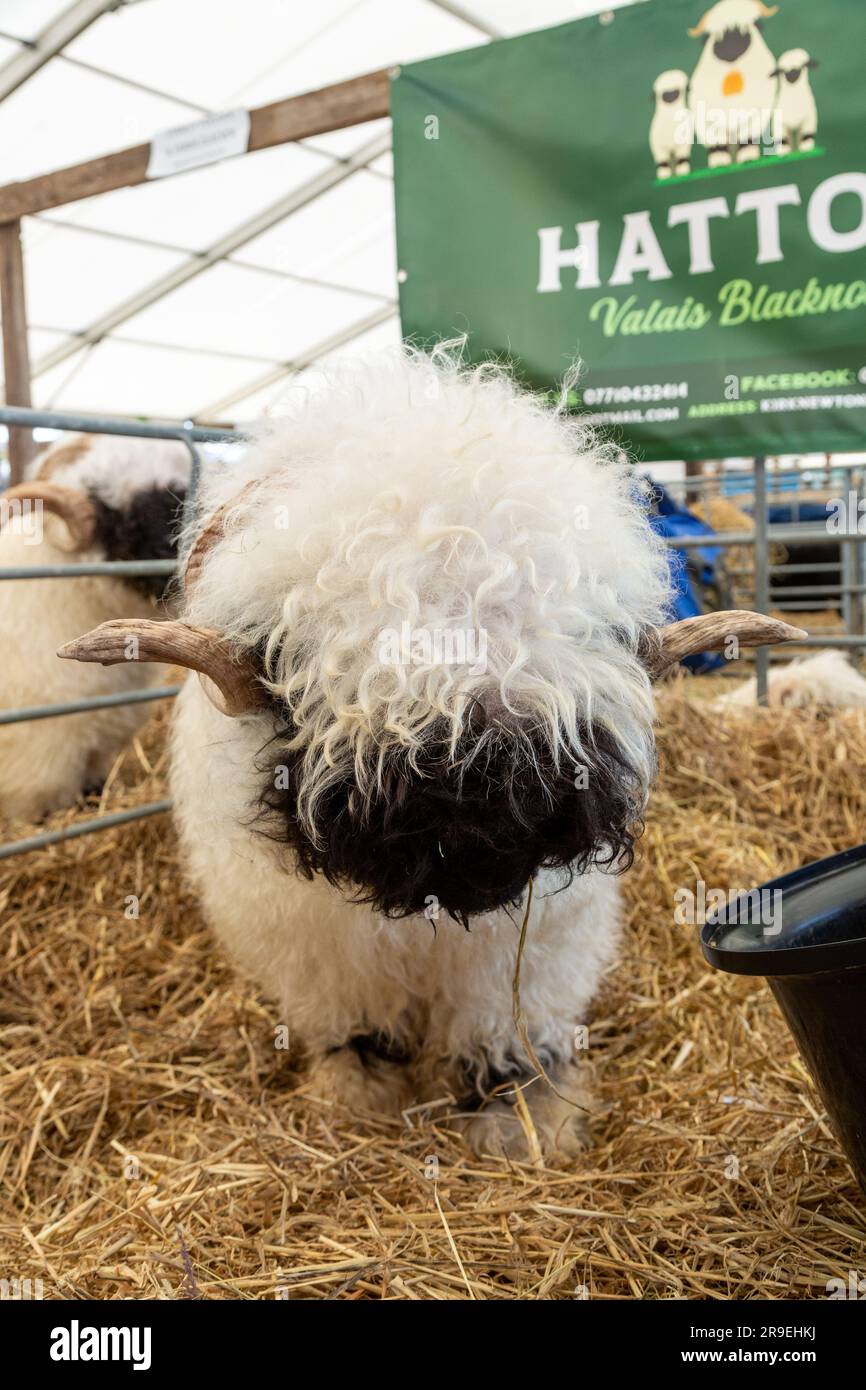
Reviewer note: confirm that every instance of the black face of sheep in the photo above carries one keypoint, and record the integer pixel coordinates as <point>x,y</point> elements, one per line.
<point>144,528</point>
<point>732,45</point>
<point>463,831</point>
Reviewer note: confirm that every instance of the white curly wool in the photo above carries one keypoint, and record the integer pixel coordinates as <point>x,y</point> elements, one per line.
<point>412,491</point>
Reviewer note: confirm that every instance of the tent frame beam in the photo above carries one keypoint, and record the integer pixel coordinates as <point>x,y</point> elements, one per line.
<point>51,41</point>
<point>360,99</point>
<point>350,103</point>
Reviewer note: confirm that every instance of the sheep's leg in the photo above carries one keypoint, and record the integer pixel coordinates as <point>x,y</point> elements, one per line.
<point>362,1076</point>
<point>748,152</point>
<point>663,171</point>
<point>473,1047</point>
<point>807,142</point>
<point>555,1116</point>
<point>783,146</point>
<point>683,164</point>
<point>717,156</point>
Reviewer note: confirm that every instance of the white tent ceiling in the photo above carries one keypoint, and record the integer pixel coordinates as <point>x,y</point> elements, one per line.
<point>233,340</point>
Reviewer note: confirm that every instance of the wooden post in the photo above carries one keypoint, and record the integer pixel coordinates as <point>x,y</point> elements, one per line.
<point>694,469</point>
<point>16,354</point>
<point>360,99</point>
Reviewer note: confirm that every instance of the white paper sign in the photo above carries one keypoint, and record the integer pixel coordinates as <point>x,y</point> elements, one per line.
<point>201,142</point>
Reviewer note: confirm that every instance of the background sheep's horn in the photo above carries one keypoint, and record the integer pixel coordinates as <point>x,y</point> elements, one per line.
<point>74,508</point>
<point>198,648</point>
<point>211,533</point>
<point>700,27</point>
<point>712,632</point>
<point>767,11</point>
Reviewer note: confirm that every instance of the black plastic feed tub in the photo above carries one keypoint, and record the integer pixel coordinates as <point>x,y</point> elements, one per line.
<point>814,960</point>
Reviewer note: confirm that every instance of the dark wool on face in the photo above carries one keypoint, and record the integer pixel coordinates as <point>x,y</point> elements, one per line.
<point>146,528</point>
<point>463,834</point>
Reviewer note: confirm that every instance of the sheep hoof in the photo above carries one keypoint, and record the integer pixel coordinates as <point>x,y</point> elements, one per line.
<point>360,1083</point>
<point>716,158</point>
<point>561,1122</point>
<point>747,153</point>
<point>683,167</point>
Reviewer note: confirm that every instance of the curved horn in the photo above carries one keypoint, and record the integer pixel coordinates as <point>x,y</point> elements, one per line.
<point>198,648</point>
<point>711,632</point>
<point>209,536</point>
<point>700,27</point>
<point>767,11</point>
<point>73,508</point>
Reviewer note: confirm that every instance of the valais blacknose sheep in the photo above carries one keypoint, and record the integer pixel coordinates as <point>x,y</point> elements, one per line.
<point>425,611</point>
<point>90,499</point>
<point>797,112</point>
<point>732,91</point>
<point>670,128</point>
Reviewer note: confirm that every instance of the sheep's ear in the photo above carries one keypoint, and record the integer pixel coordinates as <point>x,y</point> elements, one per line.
<point>74,508</point>
<point>712,632</point>
<point>777,72</point>
<point>230,678</point>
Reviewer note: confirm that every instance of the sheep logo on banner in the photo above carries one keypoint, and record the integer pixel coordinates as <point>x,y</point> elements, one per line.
<point>740,102</point>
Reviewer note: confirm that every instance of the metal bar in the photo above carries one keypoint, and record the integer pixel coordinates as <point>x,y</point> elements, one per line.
<point>65,27</point>
<point>816,568</point>
<point>131,239</point>
<point>849,579</point>
<point>320,349</point>
<point>466,16</point>
<point>197,264</point>
<point>87,827</point>
<point>858,615</point>
<point>108,424</point>
<point>131,569</point>
<point>136,697</point>
<point>817,591</point>
<point>781,533</point>
<point>805,605</point>
<point>762,577</point>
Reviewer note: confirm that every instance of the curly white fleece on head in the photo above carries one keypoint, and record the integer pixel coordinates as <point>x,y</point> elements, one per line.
<point>115,467</point>
<point>415,491</point>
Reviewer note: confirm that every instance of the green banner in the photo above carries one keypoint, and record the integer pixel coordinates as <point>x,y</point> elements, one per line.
<point>677,197</point>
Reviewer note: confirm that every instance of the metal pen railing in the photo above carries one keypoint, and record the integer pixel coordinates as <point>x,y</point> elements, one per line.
<point>191,436</point>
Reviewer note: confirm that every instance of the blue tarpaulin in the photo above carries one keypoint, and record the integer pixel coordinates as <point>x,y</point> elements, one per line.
<point>670,519</point>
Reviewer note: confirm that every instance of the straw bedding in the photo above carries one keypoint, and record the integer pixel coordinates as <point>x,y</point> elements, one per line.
<point>154,1143</point>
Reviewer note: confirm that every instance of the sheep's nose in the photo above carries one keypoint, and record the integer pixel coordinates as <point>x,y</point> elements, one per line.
<point>732,45</point>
